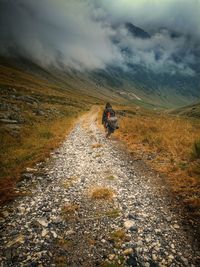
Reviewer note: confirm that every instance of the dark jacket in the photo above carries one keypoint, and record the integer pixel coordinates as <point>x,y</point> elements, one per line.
<point>106,113</point>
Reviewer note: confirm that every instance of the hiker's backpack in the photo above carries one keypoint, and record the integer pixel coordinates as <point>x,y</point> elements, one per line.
<point>113,122</point>
<point>112,119</point>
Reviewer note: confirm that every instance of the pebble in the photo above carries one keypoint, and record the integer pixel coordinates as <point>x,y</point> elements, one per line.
<point>54,234</point>
<point>176,226</point>
<point>43,222</point>
<point>44,232</point>
<point>171,257</point>
<point>129,225</point>
<point>128,251</point>
<point>168,218</point>
<point>184,260</point>
<point>154,257</point>
<point>111,257</point>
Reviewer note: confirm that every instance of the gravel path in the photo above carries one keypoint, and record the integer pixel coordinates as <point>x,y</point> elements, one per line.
<point>63,221</point>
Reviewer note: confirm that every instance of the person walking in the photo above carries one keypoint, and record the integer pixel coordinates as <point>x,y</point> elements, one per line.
<point>109,120</point>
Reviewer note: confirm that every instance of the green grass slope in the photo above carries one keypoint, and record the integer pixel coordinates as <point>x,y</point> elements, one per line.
<point>192,110</point>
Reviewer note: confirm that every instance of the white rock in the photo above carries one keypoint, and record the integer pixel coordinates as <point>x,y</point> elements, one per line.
<point>158,231</point>
<point>44,232</point>
<point>171,257</point>
<point>54,234</point>
<point>128,224</point>
<point>111,257</point>
<point>154,257</point>
<point>176,226</point>
<point>43,222</point>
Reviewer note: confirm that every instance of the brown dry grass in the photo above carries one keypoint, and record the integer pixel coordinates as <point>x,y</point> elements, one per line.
<point>69,211</point>
<point>70,208</point>
<point>69,182</point>
<point>118,236</point>
<point>65,244</point>
<point>113,213</point>
<point>33,145</point>
<point>97,145</point>
<point>61,261</point>
<point>102,193</point>
<point>169,141</point>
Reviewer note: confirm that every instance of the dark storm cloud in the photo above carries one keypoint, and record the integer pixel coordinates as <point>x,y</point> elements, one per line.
<point>79,34</point>
<point>51,31</point>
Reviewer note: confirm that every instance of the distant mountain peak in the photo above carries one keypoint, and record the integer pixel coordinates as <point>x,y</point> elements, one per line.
<point>136,31</point>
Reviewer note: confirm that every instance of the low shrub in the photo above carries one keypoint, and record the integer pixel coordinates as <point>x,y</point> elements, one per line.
<point>102,193</point>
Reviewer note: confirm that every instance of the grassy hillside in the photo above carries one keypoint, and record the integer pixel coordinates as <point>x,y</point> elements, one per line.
<point>157,90</point>
<point>192,111</point>
<point>37,110</point>
<point>171,145</point>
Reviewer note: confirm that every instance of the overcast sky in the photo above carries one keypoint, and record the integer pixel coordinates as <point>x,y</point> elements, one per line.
<point>80,33</point>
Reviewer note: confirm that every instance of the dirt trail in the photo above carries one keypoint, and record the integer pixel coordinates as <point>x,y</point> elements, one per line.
<point>61,223</point>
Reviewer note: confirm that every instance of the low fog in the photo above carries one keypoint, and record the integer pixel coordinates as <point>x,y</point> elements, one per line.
<point>88,35</point>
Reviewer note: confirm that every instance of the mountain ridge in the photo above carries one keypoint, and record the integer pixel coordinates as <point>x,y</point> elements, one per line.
<point>137,31</point>
<point>192,110</point>
<point>150,87</point>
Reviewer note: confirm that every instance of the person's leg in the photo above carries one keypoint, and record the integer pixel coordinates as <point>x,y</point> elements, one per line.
<point>105,126</point>
<point>109,131</point>
<point>108,134</point>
